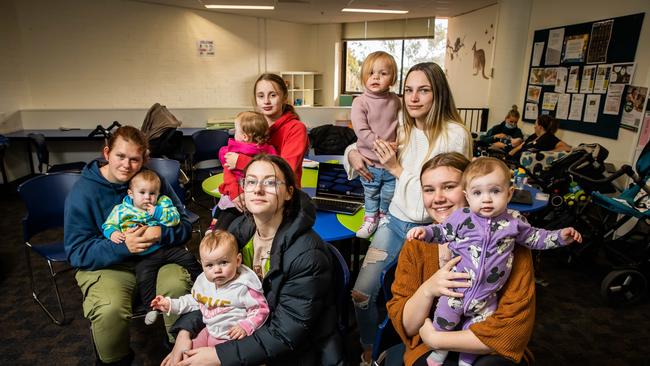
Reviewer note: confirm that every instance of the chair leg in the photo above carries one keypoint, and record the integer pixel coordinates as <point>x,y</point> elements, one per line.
<point>61,320</point>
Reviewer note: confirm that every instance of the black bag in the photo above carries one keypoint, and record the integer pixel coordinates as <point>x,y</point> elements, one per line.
<point>330,139</point>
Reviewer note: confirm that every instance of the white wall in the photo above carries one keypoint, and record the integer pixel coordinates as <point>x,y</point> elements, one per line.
<point>471,90</point>
<point>554,13</point>
<point>122,54</point>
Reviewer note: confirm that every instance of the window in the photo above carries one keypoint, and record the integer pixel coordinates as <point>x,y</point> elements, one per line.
<point>407,52</point>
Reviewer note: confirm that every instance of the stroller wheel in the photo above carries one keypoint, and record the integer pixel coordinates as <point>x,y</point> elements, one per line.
<point>623,287</point>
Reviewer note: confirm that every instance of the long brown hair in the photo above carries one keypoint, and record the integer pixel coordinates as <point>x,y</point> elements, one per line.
<point>280,88</point>
<point>292,206</point>
<point>453,159</point>
<point>443,109</point>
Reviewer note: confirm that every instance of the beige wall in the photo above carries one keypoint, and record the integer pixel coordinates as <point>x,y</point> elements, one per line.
<point>553,13</point>
<point>471,90</point>
<point>121,54</point>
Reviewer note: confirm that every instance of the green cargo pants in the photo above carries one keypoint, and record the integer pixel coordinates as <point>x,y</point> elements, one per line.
<point>107,297</point>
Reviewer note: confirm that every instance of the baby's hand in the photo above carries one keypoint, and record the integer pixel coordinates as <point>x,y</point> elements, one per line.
<point>236,332</point>
<point>161,303</point>
<point>151,209</point>
<point>569,235</point>
<point>117,237</point>
<point>231,159</point>
<point>416,233</point>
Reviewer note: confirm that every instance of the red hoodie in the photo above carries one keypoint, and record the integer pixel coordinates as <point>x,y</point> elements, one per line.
<point>289,138</point>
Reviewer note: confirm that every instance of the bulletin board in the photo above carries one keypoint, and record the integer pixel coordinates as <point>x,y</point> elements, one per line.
<point>578,73</point>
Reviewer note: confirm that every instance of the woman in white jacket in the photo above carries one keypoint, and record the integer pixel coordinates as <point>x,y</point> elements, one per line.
<point>431,125</point>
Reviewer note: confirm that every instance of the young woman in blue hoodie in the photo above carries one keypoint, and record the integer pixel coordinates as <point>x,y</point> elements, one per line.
<point>105,273</point>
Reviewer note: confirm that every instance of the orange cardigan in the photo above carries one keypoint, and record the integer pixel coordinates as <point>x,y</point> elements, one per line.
<point>507,331</point>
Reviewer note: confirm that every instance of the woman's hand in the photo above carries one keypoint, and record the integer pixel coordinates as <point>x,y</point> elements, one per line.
<point>360,164</point>
<point>183,343</point>
<point>204,356</point>
<point>136,240</point>
<point>387,154</point>
<point>441,282</point>
<point>428,334</point>
<point>231,159</point>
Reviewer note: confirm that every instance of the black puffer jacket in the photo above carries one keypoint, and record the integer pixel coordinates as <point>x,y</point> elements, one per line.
<point>302,328</point>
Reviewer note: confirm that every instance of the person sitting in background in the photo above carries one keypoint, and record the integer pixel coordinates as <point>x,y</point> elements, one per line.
<point>543,139</point>
<point>506,135</point>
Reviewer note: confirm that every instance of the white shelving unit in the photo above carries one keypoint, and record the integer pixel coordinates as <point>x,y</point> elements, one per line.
<point>305,87</point>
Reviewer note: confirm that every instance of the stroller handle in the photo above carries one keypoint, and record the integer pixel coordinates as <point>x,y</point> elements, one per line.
<point>624,170</point>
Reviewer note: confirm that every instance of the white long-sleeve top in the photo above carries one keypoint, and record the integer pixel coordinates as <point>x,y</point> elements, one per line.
<point>407,204</point>
<point>241,302</point>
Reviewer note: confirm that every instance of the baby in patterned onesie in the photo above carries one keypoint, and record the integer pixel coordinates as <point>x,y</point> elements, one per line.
<point>484,236</point>
<point>228,293</point>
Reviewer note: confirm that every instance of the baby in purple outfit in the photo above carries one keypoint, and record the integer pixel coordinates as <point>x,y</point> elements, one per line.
<point>484,236</point>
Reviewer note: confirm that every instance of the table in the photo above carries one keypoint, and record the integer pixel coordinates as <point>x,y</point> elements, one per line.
<point>330,226</point>
<point>538,204</point>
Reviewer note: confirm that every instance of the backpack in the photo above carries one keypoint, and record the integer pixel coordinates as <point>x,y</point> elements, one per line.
<point>330,139</point>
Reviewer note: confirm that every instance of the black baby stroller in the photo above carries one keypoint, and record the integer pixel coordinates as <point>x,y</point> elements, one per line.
<point>160,128</point>
<point>629,254</point>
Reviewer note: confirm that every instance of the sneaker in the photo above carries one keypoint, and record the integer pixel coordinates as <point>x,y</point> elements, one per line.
<point>368,227</point>
<point>383,219</point>
<point>151,317</point>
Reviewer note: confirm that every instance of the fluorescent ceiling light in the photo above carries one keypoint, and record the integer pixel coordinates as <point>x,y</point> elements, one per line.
<point>241,7</point>
<point>380,11</point>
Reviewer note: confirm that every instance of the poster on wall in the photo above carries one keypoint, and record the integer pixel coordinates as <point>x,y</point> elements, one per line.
<point>633,107</point>
<point>572,83</point>
<point>550,75</point>
<point>560,81</point>
<point>588,76</point>
<point>206,48</point>
<point>533,93</point>
<point>613,99</point>
<point>536,76</point>
<point>602,78</point>
<point>601,32</point>
<point>622,73</point>
<point>554,48</point>
<point>549,101</point>
<point>644,136</point>
<point>591,108</point>
<point>577,101</point>
<point>531,111</point>
<point>562,110</point>
<point>538,48</point>
<point>575,48</point>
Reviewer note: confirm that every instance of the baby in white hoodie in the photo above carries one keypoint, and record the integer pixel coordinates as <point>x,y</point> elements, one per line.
<point>228,294</point>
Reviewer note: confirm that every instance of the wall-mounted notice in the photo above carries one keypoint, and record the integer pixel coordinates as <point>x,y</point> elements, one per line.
<point>562,110</point>
<point>536,76</point>
<point>577,101</point>
<point>591,108</point>
<point>538,48</point>
<point>602,78</point>
<point>633,107</point>
<point>560,81</point>
<point>531,111</point>
<point>588,77</point>
<point>575,48</point>
<point>622,73</point>
<point>572,83</point>
<point>601,32</point>
<point>206,48</point>
<point>549,102</point>
<point>554,49</point>
<point>613,99</point>
<point>533,93</point>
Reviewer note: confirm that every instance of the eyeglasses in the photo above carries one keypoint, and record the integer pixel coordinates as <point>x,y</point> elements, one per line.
<point>269,184</point>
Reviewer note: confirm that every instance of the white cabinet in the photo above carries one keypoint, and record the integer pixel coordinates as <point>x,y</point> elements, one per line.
<point>305,87</point>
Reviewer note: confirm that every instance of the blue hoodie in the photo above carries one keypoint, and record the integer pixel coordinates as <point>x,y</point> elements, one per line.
<point>87,207</point>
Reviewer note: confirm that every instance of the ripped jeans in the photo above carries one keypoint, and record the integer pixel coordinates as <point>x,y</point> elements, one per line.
<point>384,249</point>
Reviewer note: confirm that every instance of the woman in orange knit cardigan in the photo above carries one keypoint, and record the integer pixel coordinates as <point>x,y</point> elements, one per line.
<point>420,280</point>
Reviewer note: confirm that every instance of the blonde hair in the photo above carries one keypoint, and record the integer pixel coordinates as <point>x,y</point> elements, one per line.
<point>483,166</point>
<point>254,125</point>
<point>148,176</point>
<point>369,62</point>
<point>217,238</point>
<point>443,109</point>
<point>513,112</point>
